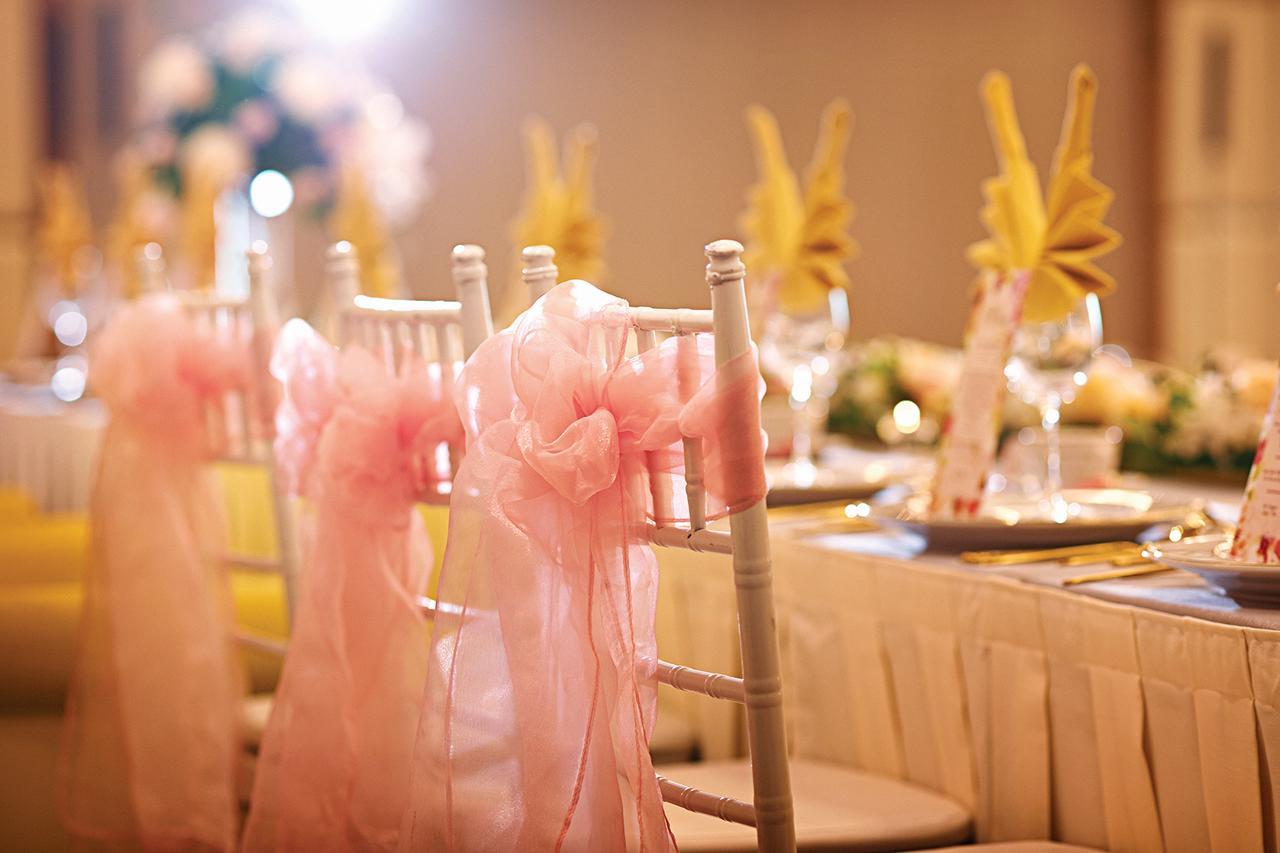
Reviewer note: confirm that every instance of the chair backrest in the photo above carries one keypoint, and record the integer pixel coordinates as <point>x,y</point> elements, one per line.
<point>439,332</point>
<point>760,688</point>
<point>240,425</point>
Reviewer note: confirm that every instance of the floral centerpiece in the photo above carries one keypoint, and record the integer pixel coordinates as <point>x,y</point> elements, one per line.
<point>254,96</point>
<point>898,391</point>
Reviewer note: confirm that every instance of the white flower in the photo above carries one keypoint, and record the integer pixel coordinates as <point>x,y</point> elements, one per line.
<point>393,160</point>
<point>1254,380</point>
<point>310,89</point>
<point>250,36</point>
<point>176,76</point>
<point>215,153</point>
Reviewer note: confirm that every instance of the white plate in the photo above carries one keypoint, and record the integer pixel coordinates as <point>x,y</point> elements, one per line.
<point>1249,584</point>
<point>1105,515</point>
<point>843,473</point>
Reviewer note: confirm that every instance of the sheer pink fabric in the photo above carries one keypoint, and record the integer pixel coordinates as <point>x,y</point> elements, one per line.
<point>151,731</point>
<point>542,695</point>
<point>359,443</point>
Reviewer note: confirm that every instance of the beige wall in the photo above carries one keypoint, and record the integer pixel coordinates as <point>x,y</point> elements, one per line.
<point>666,83</point>
<point>19,142</point>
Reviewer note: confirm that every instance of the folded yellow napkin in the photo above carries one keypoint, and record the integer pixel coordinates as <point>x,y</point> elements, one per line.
<point>802,240</point>
<point>1059,242</point>
<point>64,223</point>
<point>558,209</point>
<point>200,227</point>
<point>356,219</point>
<point>131,228</point>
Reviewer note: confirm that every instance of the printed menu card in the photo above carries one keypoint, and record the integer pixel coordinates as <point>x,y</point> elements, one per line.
<point>972,429</point>
<point>1257,534</point>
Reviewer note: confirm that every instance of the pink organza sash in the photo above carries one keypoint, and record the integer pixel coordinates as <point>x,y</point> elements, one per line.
<point>359,443</point>
<point>151,731</point>
<point>542,691</point>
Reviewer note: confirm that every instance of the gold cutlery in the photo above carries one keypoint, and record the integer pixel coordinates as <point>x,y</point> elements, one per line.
<point>1120,552</point>
<point>1042,555</point>
<point>1115,574</point>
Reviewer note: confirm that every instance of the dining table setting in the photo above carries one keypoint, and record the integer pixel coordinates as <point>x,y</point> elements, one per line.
<point>293,565</point>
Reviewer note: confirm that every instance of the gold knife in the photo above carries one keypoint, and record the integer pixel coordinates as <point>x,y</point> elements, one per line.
<point>1115,574</point>
<point>1040,555</point>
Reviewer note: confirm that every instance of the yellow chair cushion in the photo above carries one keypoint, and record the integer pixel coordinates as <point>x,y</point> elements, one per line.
<point>42,564</point>
<point>39,622</point>
<point>15,503</point>
<point>44,549</point>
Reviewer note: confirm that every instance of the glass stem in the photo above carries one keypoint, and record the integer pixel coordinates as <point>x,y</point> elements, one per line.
<point>1050,418</point>
<point>802,421</point>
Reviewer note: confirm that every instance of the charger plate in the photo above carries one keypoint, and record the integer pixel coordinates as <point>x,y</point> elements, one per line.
<point>1104,515</point>
<point>1248,583</point>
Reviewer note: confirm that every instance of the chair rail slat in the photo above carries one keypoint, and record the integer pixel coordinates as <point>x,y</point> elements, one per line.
<point>713,541</point>
<point>714,684</point>
<point>703,802</point>
<point>252,564</point>
<point>677,321</point>
<point>269,645</point>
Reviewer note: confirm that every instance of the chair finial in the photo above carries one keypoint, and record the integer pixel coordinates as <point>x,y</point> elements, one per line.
<point>539,270</point>
<point>471,282</point>
<point>468,257</point>
<point>259,257</point>
<point>262,293</point>
<point>724,262</point>
<point>149,262</point>
<point>342,272</point>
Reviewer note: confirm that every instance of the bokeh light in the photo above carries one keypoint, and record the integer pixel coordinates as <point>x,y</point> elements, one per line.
<point>270,193</point>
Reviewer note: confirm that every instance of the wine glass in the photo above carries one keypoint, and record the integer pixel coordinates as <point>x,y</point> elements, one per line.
<point>1047,363</point>
<point>806,350</point>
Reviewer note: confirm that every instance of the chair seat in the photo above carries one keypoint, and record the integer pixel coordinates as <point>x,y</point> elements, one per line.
<point>837,808</point>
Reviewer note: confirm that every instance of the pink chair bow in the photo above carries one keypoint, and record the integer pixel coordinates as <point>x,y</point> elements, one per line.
<point>542,695</point>
<point>151,732</point>
<point>360,444</point>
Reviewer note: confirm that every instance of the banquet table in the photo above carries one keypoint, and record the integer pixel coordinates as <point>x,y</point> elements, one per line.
<point>47,446</point>
<point>1131,715</point>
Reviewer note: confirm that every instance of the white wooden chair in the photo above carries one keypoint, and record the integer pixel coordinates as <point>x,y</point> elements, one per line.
<point>753,801</point>
<point>673,738</point>
<point>240,432</point>
<point>438,331</point>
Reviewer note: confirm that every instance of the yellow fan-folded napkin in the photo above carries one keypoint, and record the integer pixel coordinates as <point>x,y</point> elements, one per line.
<point>200,228</point>
<point>803,241</point>
<point>558,208</point>
<point>356,219</point>
<point>1058,241</point>
<point>132,227</point>
<point>64,224</point>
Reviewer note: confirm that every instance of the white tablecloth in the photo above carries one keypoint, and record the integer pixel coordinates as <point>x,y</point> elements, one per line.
<point>48,447</point>
<point>1139,715</point>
